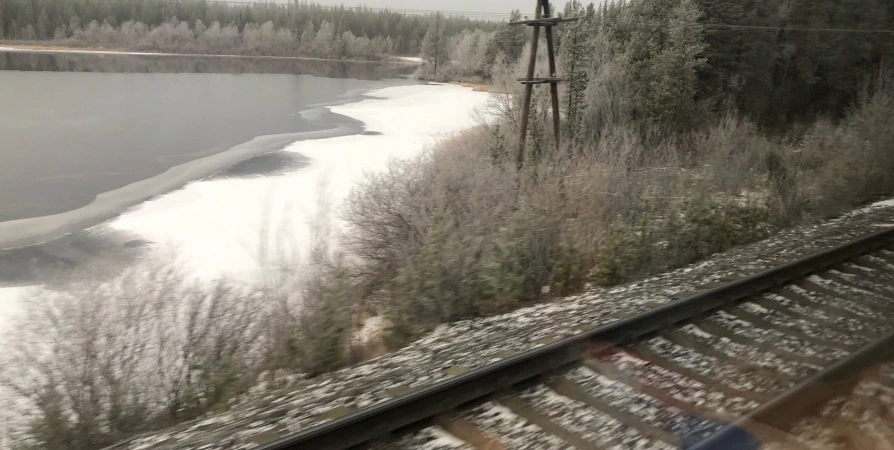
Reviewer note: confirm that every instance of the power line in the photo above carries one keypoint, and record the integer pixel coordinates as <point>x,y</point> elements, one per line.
<point>806,29</point>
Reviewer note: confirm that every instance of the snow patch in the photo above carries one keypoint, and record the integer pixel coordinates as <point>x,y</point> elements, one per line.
<point>446,439</point>
<point>413,59</point>
<point>372,327</point>
<point>554,397</point>
<point>216,226</point>
<point>817,279</point>
<point>11,303</point>
<point>692,329</point>
<point>754,307</point>
<point>797,289</point>
<point>87,52</point>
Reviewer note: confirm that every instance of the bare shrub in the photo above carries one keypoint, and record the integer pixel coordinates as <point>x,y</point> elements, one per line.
<point>851,164</point>
<point>459,232</point>
<point>405,221</point>
<point>101,355</point>
<point>310,300</point>
<point>99,360</point>
<point>309,309</point>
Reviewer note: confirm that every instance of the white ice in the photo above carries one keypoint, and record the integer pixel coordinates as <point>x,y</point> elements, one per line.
<point>445,439</point>
<point>372,327</point>
<point>214,225</point>
<point>414,59</point>
<point>10,303</point>
<point>83,51</point>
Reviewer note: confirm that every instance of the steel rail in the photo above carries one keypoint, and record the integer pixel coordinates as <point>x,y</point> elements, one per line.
<point>378,421</point>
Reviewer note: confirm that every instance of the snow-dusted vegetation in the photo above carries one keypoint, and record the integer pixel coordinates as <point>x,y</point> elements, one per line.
<point>682,139</point>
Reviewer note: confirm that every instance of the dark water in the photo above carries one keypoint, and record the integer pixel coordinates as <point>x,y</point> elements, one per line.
<point>72,127</point>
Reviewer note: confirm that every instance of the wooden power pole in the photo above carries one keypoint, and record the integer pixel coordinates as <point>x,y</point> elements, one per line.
<point>542,18</point>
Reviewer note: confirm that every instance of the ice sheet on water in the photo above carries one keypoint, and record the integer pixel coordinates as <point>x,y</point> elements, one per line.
<point>215,225</point>
<point>10,303</point>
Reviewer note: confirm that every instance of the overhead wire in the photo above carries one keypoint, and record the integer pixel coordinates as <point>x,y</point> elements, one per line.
<point>817,29</point>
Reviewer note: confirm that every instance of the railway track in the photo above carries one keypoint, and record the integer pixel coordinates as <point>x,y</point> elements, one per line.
<point>730,367</point>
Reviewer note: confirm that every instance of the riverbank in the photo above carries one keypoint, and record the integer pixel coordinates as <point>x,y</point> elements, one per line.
<point>478,87</point>
<point>214,223</point>
<point>215,226</point>
<point>7,46</point>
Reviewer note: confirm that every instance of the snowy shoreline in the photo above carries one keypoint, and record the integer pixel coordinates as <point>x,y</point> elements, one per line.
<point>85,51</point>
<point>213,224</point>
<point>400,122</point>
<point>108,205</point>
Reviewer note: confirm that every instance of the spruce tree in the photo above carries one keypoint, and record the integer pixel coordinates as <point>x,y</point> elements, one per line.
<point>434,45</point>
<point>574,54</point>
<point>508,40</point>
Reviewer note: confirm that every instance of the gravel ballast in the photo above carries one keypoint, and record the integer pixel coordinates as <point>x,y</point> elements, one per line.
<point>265,415</point>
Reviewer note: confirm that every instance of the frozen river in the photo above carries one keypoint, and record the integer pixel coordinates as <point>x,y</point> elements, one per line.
<point>114,164</point>
<point>76,139</point>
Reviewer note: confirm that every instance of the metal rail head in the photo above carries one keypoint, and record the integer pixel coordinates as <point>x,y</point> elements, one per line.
<point>781,412</point>
<point>379,420</point>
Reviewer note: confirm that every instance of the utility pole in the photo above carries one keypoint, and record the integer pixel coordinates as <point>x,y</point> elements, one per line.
<point>542,18</point>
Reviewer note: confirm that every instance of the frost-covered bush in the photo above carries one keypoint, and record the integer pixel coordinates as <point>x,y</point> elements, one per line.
<point>460,232</point>
<point>852,163</point>
<point>96,360</point>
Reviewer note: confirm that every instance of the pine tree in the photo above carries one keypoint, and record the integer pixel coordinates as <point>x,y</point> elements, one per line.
<point>43,25</point>
<point>496,145</point>
<point>675,92</point>
<point>663,58</point>
<point>324,39</point>
<point>434,45</point>
<point>725,48</point>
<point>535,140</point>
<point>574,55</point>
<point>307,38</point>
<point>508,40</point>
<point>26,16</point>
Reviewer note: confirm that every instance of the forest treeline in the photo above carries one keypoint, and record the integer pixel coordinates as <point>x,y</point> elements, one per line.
<point>200,26</point>
<point>774,62</point>
<point>689,127</point>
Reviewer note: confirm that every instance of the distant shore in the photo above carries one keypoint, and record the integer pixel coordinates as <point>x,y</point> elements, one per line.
<point>477,87</point>
<point>12,46</point>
